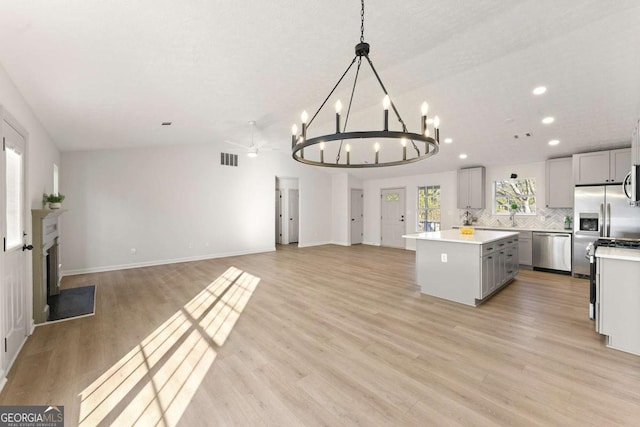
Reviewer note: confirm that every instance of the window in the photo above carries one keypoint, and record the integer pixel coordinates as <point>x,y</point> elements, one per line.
<point>55,179</point>
<point>14,187</point>
<point>517,195</point>
<point>429,208</point>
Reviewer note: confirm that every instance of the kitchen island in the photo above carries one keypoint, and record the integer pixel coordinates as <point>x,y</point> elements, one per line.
<point>465,268</point>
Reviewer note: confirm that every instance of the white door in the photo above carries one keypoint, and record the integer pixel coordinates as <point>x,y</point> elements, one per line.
<point>392,217</point>
<point>278,216</point>
<point>293,216</point>
<point>14,318</point>
<point>356,216</point>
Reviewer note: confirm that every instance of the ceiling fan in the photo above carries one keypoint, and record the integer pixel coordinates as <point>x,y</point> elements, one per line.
<point>253,148</point>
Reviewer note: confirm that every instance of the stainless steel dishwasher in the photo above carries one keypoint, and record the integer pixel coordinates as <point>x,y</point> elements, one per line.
<point>552,251</point>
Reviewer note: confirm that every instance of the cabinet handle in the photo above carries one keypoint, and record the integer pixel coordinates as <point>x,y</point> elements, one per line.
<point>490,257</point>
<point>501,253</point>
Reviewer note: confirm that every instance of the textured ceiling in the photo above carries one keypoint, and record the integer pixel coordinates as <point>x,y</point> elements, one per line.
<point>106,74</point>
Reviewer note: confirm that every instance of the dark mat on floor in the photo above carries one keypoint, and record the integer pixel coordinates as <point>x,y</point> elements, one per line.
<point>72,303</point>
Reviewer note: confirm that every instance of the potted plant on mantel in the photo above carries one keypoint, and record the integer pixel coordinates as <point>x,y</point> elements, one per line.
<point>54,200</point>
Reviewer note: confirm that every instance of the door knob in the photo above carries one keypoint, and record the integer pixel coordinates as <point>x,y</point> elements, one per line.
<point>27,247</point>
<point>353,219</point>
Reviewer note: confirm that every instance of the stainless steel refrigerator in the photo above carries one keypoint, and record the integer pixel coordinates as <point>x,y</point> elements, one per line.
<point>600,211</point>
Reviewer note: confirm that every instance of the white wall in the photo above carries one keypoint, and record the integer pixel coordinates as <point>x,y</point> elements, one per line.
<point>315,203</point>
<point>340,210</point>
<point>449,213</point>
<point>178,203</point>
<point>43,152</point>
<point>342,184</point>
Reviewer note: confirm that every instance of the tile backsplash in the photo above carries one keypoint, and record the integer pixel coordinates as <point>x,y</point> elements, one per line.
<point>544,218</point>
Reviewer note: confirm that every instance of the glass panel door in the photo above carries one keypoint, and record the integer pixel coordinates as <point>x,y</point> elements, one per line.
<point>14,204</point>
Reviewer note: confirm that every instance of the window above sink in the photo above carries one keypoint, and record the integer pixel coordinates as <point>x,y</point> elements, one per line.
<point>514,196</point>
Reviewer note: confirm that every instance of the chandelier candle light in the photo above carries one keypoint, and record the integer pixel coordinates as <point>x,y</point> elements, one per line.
<point>299,141</point>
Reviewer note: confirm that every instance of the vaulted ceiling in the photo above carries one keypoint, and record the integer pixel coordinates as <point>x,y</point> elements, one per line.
<point>103,75</point>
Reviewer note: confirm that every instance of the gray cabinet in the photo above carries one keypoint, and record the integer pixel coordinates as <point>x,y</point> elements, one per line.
<point>488,271</point>
<point>601,167</point>
<point>471,188</point>
<point>525,249</point>
<point>618,302</point>
<point>498,264</point>
<point>619,164</point>
<point>559,183</point>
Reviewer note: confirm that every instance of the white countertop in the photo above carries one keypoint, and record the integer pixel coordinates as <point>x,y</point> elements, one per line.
<point>618,253</point>
<point>544,230</point>
<point>478,237</point>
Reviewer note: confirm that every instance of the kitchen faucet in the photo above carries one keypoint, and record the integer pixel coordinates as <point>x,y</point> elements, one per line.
<point>512,216</point>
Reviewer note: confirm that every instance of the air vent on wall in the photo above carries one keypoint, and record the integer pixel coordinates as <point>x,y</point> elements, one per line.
<point>522,135</point>
<point>227,159</point>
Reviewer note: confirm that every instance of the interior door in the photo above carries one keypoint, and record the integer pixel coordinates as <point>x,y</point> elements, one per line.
<point>14,320</point>
<point>356,217</point>
<point>278,216</point>
<point>293,216</point>
<point>392,217</point>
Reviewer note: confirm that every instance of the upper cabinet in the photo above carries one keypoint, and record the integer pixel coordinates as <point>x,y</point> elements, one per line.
<point>559,183</point>
<point>619,164</point>
<point>471,188</point>
<point>601,167</point>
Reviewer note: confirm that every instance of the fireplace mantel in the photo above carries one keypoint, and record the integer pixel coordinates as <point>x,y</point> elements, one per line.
<point>46,213</point>
<point>44,226</point>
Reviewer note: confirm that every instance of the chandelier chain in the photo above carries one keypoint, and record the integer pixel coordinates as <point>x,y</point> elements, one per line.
<point>362,21</point>
<point>332,90</point>
<point>393,106</point>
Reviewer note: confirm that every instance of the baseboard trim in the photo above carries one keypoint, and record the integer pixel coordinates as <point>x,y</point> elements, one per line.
<point>341,243</point>
<point>371,243</point>
<point>3,374</point>
<point>75,272</point>
<point>32,326</point>
<point>306,245</point>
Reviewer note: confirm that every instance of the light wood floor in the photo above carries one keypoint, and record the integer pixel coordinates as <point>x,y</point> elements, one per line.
<point>330,336</point>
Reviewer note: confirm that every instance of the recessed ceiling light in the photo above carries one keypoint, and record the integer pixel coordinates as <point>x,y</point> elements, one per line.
<point>554,142</point>
<point>539,90</point>
<point>463,156</point>
<point>548,120</point>
<point>448,140</point>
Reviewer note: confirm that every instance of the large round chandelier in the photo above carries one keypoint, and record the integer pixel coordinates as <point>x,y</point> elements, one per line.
<point>421,145</point>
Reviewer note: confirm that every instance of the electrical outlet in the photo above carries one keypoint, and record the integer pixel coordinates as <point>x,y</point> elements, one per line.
<point>443,257</point>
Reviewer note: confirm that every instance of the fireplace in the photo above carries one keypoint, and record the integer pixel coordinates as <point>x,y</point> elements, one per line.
<point>46,271</point>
